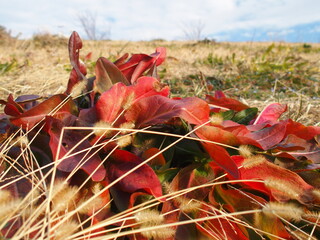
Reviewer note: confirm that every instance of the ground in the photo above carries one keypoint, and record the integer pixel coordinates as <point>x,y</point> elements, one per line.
<point>255,73</point>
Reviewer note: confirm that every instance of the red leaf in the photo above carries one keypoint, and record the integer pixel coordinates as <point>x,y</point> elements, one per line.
<point>74,46</point>
<point>158,160</point>
<point>295,148</point>
<point>226,103</point>
<point>302,131</point>
<point>271,113</point>
<point>221,157</point>
<point>73,80</point>
<point>217,153</point>
<point>237,199</point>
<point>79,70</point>
<point>143,65</point>
<point>219,228</point>
<point>261,135</point>
<point>134,198</point>
<point>27,101</point>
<point>139,63</point>
<point>217,134</point>
<point>272,224</point>
<point>46,108</point>
<point>87,117</point>
<point>121,60</point>
<point>148,86</point>
<point>112,102</point>
<point>240,200</point>
<point>219,94</point>
<point>153,72</point>
<point>241,131</point>
<point>189,177</point>
<point>143,178</point>
<point>160,55</point>
<point>89,161</point>
<point>282,183</point>
<point>12,108</point>
<point>107,74</point>
<point>193,110</point>
<point>270,136</point>
<point>4,131</point>
<point>311,155</point>
<point>22,186</point>
<point>158,109</point>
<point>88,56</point>
<point>293,143</point>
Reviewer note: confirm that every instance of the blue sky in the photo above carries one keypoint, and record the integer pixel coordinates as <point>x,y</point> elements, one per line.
<point>223,20</point>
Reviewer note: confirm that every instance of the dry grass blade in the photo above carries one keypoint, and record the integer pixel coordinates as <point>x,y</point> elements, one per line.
<point>46,215</point>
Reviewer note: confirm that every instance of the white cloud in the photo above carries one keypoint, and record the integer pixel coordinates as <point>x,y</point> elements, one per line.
<point>147,19</point>
<point>272,14</point>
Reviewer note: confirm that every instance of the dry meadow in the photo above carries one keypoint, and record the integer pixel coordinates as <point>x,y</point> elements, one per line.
<point>79,181</point>
<point>255,73</point>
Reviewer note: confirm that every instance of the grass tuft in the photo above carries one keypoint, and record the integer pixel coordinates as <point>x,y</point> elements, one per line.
<point>247,152</point>
<point>124,141</point>
<point>282,188</point>
<point>253,161</point>
<point>101,128</point>
<point>63,196</point>
<point>65,230</point>
<point>152,218</point>
<point>288,211</point>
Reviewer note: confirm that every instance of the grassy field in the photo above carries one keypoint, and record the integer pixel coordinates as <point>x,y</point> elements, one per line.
<point>255,73</point>
<point>75,178</point>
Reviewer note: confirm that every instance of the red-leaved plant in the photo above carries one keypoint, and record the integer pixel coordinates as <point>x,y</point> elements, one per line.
<point>115,157</point>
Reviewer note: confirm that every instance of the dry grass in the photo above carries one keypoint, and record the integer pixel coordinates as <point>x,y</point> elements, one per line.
<point>45,71</point>
<point>240,69</point>
<point>52,209</point>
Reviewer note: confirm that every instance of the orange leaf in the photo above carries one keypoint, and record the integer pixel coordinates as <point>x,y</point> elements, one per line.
<point>158,160</point>
<point>46,108</point>
<point>282,184</point>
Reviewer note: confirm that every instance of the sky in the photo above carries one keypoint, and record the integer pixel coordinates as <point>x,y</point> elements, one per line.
<point>222,20</point>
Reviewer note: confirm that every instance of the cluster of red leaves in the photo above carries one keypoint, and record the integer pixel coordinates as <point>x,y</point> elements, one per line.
<point>127,94</point>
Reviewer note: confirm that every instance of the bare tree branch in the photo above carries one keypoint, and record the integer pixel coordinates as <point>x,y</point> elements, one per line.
<point>193,30</point>
<point>88,22</point>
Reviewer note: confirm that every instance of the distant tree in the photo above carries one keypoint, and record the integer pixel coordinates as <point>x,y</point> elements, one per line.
<point>193,30</point>
<point>88,22</point>
<point>5,35</point>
